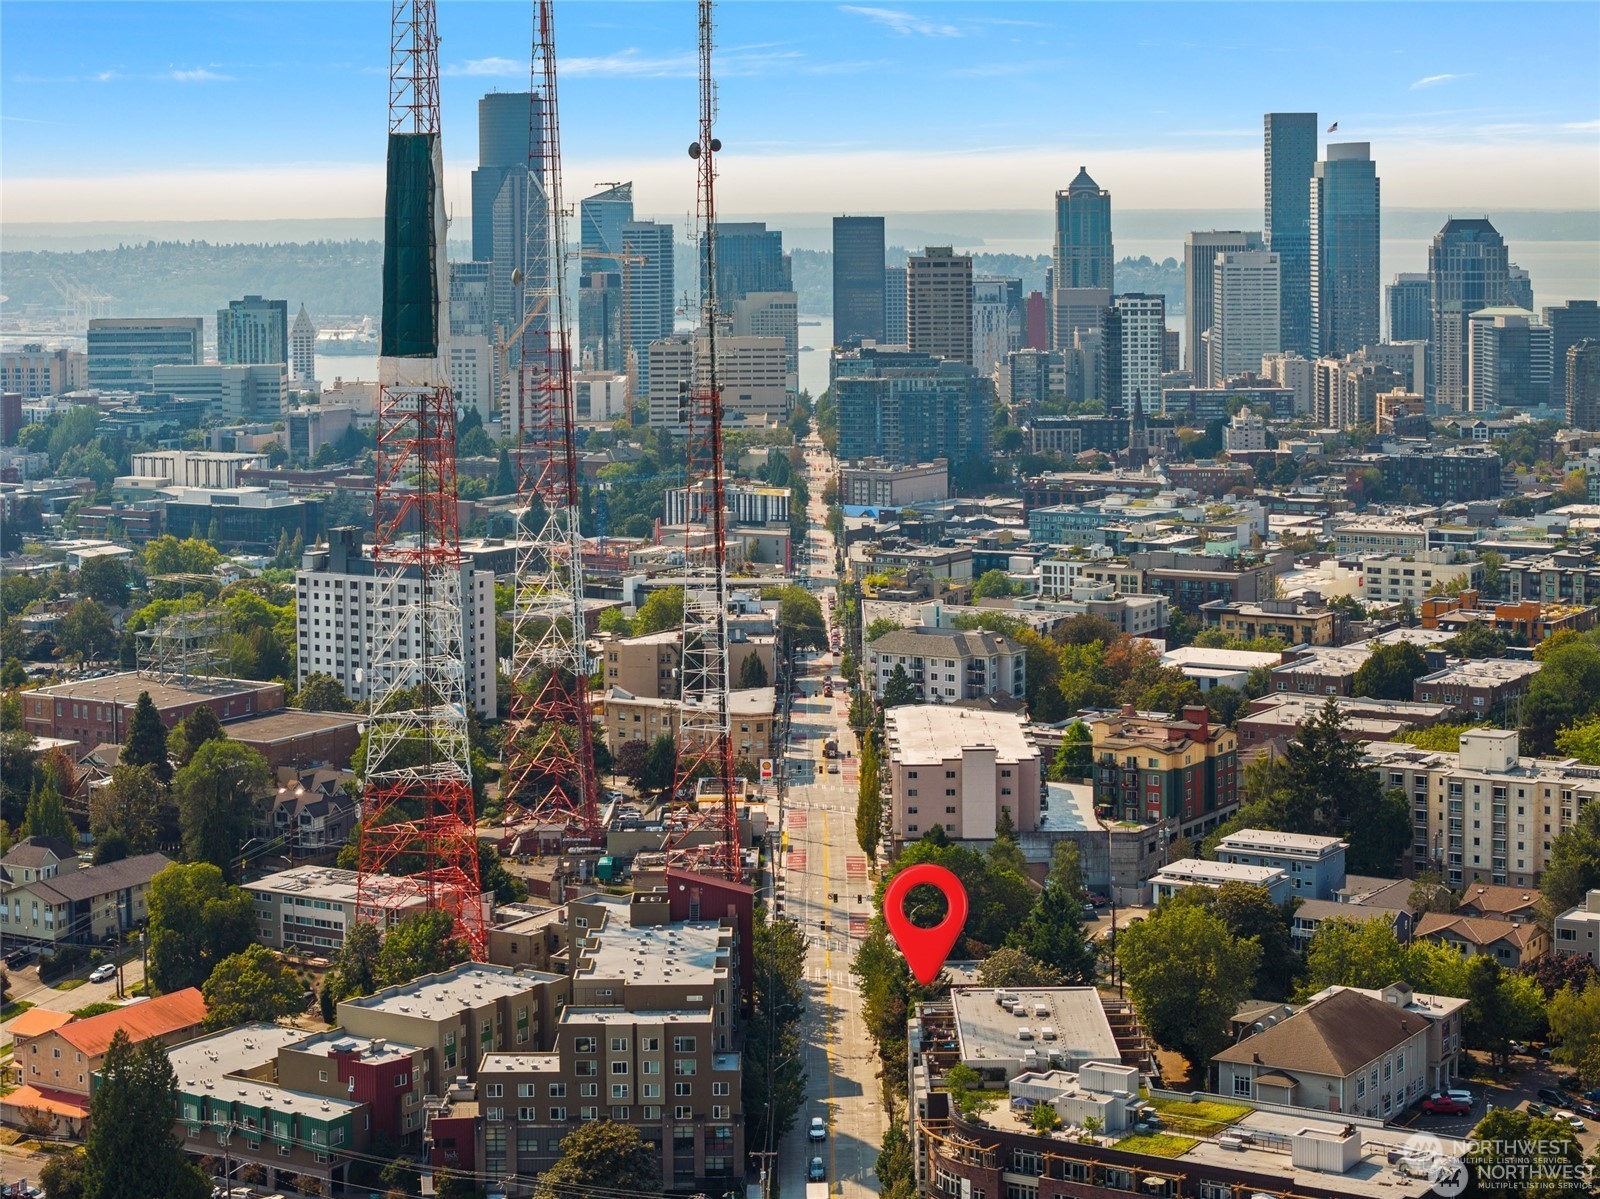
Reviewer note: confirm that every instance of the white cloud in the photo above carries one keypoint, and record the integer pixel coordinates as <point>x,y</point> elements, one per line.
<point>493,67</point>
<point>197,75</point>
<point>901,22</point>
<point>633,64</point>
<point>1436,80</point>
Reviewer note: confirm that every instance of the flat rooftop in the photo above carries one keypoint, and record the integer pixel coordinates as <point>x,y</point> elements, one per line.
<point>287,724</point>
<point>373,1049</point>
<point>519,1063</point>
<point>445,995</point>
<point>654,954</point>
<point>620,1016</point>
<point>1483,671</point>
<point>334,885</point>
<point>1227,659</point>
<point>1261,840</point>
<point>931,733</point>
<point>1196,870</point>
<point>124,688</point>
<point>234,1051</point>
<point>987,1031</point>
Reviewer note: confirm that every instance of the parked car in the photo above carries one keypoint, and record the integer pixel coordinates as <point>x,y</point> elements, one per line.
<point>1586,1107</point>
<point>818,1130</point>
<point>1440,1104</point>
<point>103,973</point>
<point>1552,1096</point>
<point>1571,1119</point>
<point>816,1171</point>
<point>1088,912</point>
<point>1462,1094</point>
<point>1542,1110</point>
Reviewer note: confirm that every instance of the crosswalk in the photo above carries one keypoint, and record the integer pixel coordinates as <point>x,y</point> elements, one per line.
<point>855,868</point>
<point>797,860</point>
<point>796,819</point>
<point>858,925</point>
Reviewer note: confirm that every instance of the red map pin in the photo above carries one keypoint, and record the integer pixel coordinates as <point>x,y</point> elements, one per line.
<point>925,948</point>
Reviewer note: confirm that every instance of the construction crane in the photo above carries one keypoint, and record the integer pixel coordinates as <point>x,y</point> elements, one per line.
<point>706,835</point>
<point>628,261</point>
<point>550,788</point>
<point>418,836</point>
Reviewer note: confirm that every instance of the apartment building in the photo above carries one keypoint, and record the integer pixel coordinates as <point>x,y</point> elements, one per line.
<point>630,717</point>
<point>1314,865</point>
<point>385,1075</point>
<point>1151,768</point>
<point>1392,579</point>
<point>1485,814</point>
<point>1306,621</point>
<point>1476,686</point>
<point>645,666</point>
<point>1377,535</point>
<point>948,665</point>
<point>310,907</point>
<point>1196,872</point>
<point>958,767</point>
<point>873,482</point>
<point>1323,670</point>
<point>1577,930</point>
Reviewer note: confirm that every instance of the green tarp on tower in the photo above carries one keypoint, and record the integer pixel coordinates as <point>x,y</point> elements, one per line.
<point>410,279</point>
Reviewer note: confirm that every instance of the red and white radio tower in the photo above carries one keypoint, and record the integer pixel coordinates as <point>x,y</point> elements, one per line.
<point>707,837</point>
<point>416,803</point>
<point>550,778</point>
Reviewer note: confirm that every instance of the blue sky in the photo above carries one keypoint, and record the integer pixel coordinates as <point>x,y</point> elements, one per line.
<point>209,110</point>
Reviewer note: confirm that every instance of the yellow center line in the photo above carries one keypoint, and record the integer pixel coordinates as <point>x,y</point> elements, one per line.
<point>827,1003</point>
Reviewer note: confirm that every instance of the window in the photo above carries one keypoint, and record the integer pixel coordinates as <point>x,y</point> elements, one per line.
<point>494,1090</point>
<point>558,1090</point>
<point>527,1090</point>
<point>588,1113</point>
<point>588,1090</point>
<point>619,1090</point>
<point>584,1044</point>
<point>527,1114</point>
<point>681,1089</point>
<point>557,1115</point>
<point>585,1069</point>
<point>619,1044</point>
<point>684,1066</point>
<point>619,1067</point>
<point>494,1115</point>
<point>683,1045</point>
<point>682,1112</point>
<point>649,1044</point>
<point>649,1067</point>
<point>1241,1085</point>
<point>650,1090</point>
<point>719,1089</point>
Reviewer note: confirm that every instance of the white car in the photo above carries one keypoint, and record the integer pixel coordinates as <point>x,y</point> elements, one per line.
<point>1569,1118</point>
<point>103,973</point>
<point>818,1130</point>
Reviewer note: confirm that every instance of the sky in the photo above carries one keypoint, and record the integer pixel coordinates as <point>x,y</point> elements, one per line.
<point>197,111</point>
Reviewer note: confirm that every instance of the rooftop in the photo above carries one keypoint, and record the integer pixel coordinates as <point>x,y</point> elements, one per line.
<point>620,1016</point>
<point>234,1051</point>
<point>1231,659</point>
<point>335,886</point>
<point>158,1017</point>
<point>1336,1035</point>
<point>923,641</point>
<point>931,733</point>
<point>989,1031</point>
<point>1197,870</point>
<point>1483,672</point>
<point>1482,931</point>
<point>125,688</point>
<point>650,955</point>
<point>1261,840</point>
<point>287,724</point>
<point>446,994</point>
<point>102,880</point>
<point>374,1049</point>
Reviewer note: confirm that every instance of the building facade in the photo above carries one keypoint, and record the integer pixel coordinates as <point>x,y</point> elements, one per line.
<point>124,350</point>
<point>34,372</point>
<point>946,666</point>
<point>1200,250</point>
<point>959,767</point>
<point>1345,284</point>
<point>1151,769</point>
<point>253,330</point>
<point>1245,311</point>
<point>858,279</point>
<point>909,408</point>
<point>1291,156</point>
<point>939,304</point>
<point>1468,269</point>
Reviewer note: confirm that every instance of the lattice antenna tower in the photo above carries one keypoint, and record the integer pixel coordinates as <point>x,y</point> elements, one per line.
<point>417,818</point>
<point>708,837</point>
<point>550,775</point>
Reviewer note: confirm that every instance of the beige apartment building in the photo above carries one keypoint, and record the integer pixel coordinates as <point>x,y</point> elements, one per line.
<point>631,717</point>
<point>958,767</point>
<point>1485,814</point>
<point>647,666</point>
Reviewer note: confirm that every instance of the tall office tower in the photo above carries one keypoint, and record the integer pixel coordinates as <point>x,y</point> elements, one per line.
<point>1410,318</point>
<point>303,348</point>
<point>1171,351</point>
<point>122,350</point>
<point>909,408</point>
<point>1082,266</point>
<point>1519,286</point>
<point>1582,371</point>
<point>252,331</point>
<point>939,304</point>
<point>1200,250</point>
<point>894,306</point>
<point>750,258</point>
<point>503,149</point>
<point>1467,270</point>
<point>1131,333</point>
<point>771,314</point>
<point>651,302</point>
<point>1508,360</point>
<point>1291,157</point>
<point>471,298</point>
<point>1245,313</point>
<point>991,335</point>
<point>1344,250</point>
<point>1036,322</point>
<point>1569,324</point>
<point>858,279</point>
<point>601,218</point>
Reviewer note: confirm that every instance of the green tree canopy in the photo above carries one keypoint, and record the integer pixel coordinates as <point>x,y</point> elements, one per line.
<point>599,1159</point>
<point>753,673</point>
<point>869,799</point>
<point>131,1151</point>
<point>422,942</point>
<point>252,984</point>
<point>193,731</point>
<point>46,815</point>
<point>661,611</point>
<point>196,920</point>
<point>772,1037</point>
<point>661,764</point>
<point>898,690</point>
<point>1572,868</point>
<point>1012,967</point>
<point>105,580</point>
<point>218,795</point>
<point>992,584</point>
<point>1390,671</point>
<point>1076,754</point>
<point>1052,934</point>
<point>146,743</point>
<point>800,618</point>
<point>130,806</point>
<point>167,555</point>
<point>85,633</point>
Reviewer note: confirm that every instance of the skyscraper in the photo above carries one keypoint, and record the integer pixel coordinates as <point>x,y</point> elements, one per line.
<point>1467,270</point>
<point>504,124</point>
<point>1574,321</point>
<point>601,339</point>
<point>1508,360</point>
<point>1519,286</point>
<point>651,299</point>
<point>1291,156</point>
<point>939,304</point>
<point>1083,263</point>
<point>1410,317</point>
<point>991,333</point>
<point>303,348</point>
<point>1245,313</point>
<point>858,278</point>
<point>601,218</point>
<point>750,258</point>
<point>123,350</point>
<point>1344,250</point>
<point>1131,334</point>
<point>894,306</point>
<point>1583,384</point>
<point>252,331</point>
<point>1200,250</point>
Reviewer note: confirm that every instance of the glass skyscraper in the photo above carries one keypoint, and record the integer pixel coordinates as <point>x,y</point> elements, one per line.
<point>858,279</point>
<point>1345,286</point>
<point>253,331</point>
<point>1468,270</point>
<point>1083,252</point>
<point>1291,156</point>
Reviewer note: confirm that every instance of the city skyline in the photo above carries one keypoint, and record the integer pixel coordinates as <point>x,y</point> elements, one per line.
<point>1521,131</point>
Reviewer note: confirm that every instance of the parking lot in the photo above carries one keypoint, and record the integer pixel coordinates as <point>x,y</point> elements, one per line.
<point>1518,1086</point>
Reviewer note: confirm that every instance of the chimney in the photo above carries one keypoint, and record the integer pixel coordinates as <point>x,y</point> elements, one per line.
<point>1129,711</point>
<point>1198,714</point>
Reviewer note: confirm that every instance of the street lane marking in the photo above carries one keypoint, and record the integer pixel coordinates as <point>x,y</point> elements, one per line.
<point>858,925</point>
<point>797,860</point>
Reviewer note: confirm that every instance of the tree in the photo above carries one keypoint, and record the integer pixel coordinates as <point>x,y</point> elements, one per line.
<point>47,815</point>
<point>662,610</point>
<point>356,971</point>
<point>105,580</point>
<point>1052,934</point>
<point>752,673</point>
<point>774,1073</point>
<point>1518,1155</point>
<point>146,744</point>
<point>966,1090</point>
<point>1351,953</point>
<point>422,942</point>
<point>167,555</point>
<point>1566,690</point>
<point>447,1183</point>
<point>869,799</point>
<point>630,760</point>
<point>128,807</point>
<point>1044,1119</point>
<point>1186,974</point>
<point>131,1151</point>
<point>1574,1024</point>
<point>85,633</point>
<point>880,626</point>
<point>992,583</point>
<point>250,985</point>
<point>898,691</point>
<point>1011,967</point>
<point>1076,755</point>
<point>601,1158</point>
<point>196,920</point>
<point>661,764</point>
<point>193,731</point>
<point>1249,912</point>
<point>1573,866</point>
<point>61,1176</point>
<point>800,618</point>
<point>1066,871</point>
<point>1390,671</point>
<point>218,793</point>
<point>1429,894</point>
<point>505,479</point>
